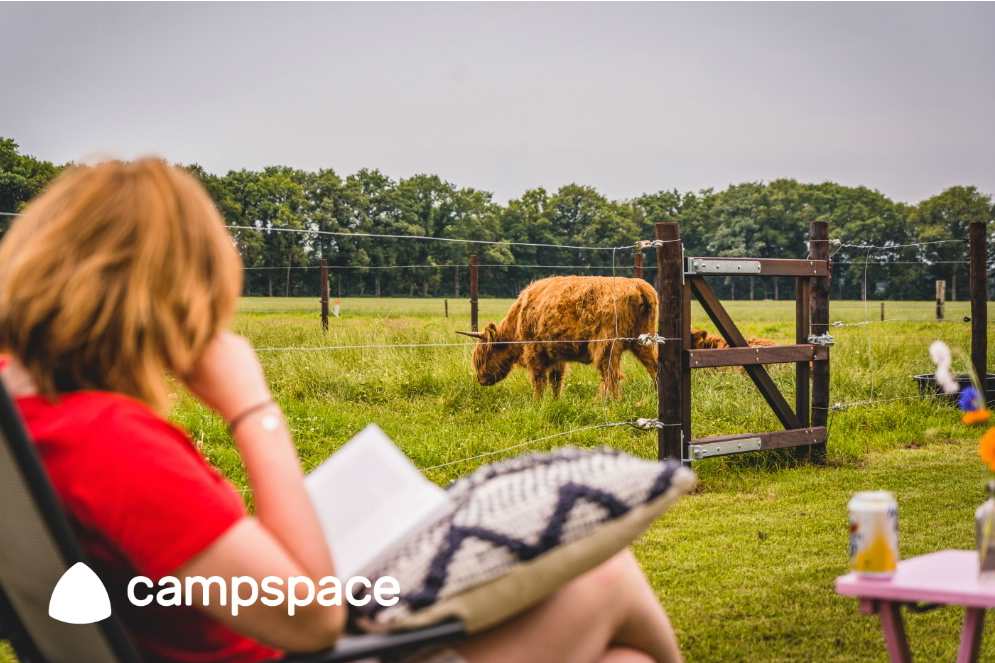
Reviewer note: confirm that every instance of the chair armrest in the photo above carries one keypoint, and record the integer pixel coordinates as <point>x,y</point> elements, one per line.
<point>356,647</point>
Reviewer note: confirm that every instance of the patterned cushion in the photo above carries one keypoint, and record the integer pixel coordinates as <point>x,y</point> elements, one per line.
<point>517,531</point>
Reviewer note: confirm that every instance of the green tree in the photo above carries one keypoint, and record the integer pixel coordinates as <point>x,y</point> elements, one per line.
<point>944,219</point>
<point>21,177</point>
<point>368,206</point>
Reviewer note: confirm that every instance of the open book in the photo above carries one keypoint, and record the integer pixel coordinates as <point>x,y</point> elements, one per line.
<point>368,495</point>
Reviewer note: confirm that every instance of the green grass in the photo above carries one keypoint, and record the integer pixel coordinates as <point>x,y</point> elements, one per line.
<point>744,566</point>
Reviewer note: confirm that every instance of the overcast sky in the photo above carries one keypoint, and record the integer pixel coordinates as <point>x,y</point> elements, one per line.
<point>628,98</point>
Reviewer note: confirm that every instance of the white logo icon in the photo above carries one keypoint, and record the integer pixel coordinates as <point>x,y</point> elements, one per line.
<point>79,597</point>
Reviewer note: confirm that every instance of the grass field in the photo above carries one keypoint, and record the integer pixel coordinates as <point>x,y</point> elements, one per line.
<point>745,566</point>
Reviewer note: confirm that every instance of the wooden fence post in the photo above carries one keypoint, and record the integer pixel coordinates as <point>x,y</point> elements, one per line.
<point>941,296</point>
<point>819,250</point>
<point>323,275</point>
<point>979,303</point>
<point>803,370</point>
<point>637,261</point>
<point>882,311</point>
<point>445,305</point>
<point>473,293</point>
<point>671,386</point>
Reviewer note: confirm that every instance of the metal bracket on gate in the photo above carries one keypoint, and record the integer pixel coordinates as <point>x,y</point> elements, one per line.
<point>712,266</point>
<point>710,449</point>
<point>824,339</point>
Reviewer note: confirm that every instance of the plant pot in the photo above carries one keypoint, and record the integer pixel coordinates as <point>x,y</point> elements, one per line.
<point>929,387</point>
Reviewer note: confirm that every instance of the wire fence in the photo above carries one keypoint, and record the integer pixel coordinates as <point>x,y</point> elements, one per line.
<point>874,399</point>
<point>872,257</point>
<point>838,408</point>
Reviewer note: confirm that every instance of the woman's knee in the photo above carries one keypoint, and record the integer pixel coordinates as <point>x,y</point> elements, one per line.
<point>625,655</point>
<point>616,574</point>
<point>620,567</point>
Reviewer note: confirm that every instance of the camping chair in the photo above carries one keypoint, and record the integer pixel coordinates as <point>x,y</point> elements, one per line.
<point>37,546</point>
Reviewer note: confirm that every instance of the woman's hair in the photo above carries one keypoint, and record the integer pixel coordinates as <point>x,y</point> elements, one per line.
<point>117,274</point>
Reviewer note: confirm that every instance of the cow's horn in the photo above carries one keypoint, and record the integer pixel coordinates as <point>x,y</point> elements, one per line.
<point>476,335</point>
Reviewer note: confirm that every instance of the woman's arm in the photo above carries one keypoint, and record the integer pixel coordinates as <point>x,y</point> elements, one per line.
<point>229,379</point>
<point>249,550</point>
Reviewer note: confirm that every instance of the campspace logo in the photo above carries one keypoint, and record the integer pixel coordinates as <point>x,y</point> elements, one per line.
<point>81,598</point>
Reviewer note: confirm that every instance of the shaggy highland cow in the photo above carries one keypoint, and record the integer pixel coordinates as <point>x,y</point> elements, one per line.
<point>572,313</point>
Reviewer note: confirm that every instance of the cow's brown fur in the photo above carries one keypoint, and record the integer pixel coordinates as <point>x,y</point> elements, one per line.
<point>701,340</point>
<point>576,309</point>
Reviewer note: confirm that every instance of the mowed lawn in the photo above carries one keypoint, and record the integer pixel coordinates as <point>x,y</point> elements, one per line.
<point>745,566</point>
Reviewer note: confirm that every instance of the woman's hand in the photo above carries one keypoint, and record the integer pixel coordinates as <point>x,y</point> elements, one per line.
<point>228,377</point>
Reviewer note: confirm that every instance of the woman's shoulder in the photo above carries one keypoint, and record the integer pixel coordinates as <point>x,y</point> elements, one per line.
<point>131,478</point>
<point>79,410</point>
<point>103,425</point>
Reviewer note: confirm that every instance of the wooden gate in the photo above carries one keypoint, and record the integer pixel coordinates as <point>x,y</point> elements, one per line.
<point>678,280</point>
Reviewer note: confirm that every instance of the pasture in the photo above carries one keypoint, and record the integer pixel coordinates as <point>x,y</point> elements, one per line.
<point>745,566</point>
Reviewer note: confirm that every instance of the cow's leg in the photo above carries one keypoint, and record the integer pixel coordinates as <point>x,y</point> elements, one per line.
<point>537,375</point>
<point>556,373</point>
<point>647,356</point>
<point>608,359</point>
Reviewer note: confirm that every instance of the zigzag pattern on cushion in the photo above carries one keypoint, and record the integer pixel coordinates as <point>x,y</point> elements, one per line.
<point>569,495</point>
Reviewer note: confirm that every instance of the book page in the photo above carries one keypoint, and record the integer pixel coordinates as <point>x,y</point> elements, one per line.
<point>368,495</point>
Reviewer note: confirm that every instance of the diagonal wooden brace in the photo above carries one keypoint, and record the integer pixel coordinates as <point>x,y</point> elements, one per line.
<point>730,332</point>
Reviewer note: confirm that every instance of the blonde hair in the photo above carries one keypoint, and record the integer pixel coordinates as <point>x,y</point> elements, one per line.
<point>117,274</point>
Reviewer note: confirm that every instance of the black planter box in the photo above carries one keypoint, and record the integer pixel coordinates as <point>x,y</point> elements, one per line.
<point>928,387</point>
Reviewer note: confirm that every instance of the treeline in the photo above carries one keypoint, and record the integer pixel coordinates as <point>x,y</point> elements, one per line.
<point>750,219</point>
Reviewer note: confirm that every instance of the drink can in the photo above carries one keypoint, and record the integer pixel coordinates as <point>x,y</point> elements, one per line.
<point>874,534</point>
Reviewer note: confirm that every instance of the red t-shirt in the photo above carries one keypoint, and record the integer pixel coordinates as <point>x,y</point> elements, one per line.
<point>143,501</point>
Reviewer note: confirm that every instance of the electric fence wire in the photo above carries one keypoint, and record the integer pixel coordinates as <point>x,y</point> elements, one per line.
<point>640,424</point>
<point>645,339</point>
<point>366,235</point>
<point>448,265</point>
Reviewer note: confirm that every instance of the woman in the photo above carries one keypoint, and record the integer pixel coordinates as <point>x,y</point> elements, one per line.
<point>122,273</point>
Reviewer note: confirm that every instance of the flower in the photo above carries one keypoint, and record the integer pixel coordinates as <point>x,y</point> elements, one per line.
<point>939,352</point>
<point>986,449</point>
<point>969,400</point>
<point>979,416</point>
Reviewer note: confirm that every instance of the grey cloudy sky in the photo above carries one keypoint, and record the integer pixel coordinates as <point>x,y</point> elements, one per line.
<point>504,97</point>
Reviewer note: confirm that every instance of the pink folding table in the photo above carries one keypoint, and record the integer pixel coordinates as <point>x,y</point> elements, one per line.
<point>948,577</point>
